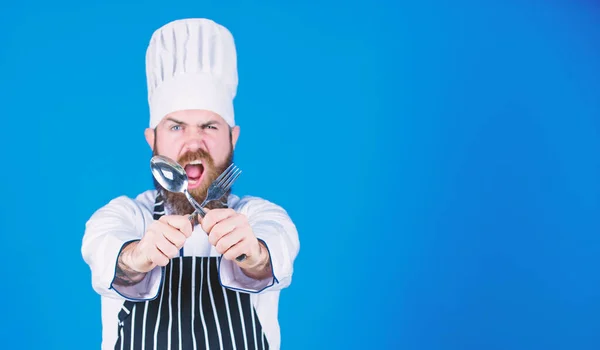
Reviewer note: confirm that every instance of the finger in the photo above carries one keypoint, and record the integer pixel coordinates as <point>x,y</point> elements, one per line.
<point>229,240</point>
<point>158,258</point>
<point>167,248</point>
<point>214,216</point>
<point>138,258</point>
<point>172,234</point>
<point>181,223</point>
<point>224,227</point>
<point>237,250</point>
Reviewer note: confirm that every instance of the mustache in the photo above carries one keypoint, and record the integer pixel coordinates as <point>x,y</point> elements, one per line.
<point>195,155</point>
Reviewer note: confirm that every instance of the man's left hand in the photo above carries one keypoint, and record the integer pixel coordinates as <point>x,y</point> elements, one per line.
<point>231,234</point>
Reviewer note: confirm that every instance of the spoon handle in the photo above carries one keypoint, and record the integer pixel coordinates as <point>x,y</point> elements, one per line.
<point>195,204</point>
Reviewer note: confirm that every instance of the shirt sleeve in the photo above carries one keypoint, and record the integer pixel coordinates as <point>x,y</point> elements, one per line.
<point>119,222</point>
<point>272,225</point>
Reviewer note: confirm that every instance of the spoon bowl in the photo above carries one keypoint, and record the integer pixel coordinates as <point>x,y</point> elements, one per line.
<point>170,175</point>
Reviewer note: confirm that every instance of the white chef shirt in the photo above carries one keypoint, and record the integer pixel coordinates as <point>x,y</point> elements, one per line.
<point>125,219</point>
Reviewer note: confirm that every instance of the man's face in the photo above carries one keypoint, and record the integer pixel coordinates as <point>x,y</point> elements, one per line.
<point>200,141</point>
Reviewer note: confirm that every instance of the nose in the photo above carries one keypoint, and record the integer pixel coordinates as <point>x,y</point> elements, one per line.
<point>193,140</point>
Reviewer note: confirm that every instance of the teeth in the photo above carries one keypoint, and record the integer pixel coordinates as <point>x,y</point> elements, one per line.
<point>195,162</point>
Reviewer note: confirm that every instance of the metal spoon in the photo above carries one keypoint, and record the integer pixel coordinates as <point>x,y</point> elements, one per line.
<point>173,178</point>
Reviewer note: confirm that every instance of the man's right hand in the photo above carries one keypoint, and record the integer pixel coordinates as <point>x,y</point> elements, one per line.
<point>160,243</point>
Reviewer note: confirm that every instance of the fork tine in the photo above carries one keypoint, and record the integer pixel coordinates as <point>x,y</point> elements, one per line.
<point>224,173</point>
<point>227,176</point>
<point>232,180</point>
<point>227,185</point>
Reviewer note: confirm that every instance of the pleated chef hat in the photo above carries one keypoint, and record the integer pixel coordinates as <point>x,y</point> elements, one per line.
<point>191,64</point>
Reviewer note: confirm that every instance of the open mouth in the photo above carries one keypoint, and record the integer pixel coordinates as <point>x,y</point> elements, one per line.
<point>194,171</point>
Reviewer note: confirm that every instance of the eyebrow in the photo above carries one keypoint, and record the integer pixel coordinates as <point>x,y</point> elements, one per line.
<point>211,122</point>
<point>175,120</point>
<point>203,125</point>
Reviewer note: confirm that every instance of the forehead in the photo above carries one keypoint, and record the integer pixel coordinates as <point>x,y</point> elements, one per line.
<point>193,116</point>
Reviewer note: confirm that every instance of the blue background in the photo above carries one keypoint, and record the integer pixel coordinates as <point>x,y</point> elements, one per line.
<point>439,159</point>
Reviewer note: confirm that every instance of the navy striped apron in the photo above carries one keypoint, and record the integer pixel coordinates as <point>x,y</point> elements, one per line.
<point>193,311</point>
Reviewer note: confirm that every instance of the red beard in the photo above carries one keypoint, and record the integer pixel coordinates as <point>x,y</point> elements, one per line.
<point>177,203</point>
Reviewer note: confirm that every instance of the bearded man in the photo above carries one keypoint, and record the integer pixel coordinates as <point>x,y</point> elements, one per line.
<point>166,282</point>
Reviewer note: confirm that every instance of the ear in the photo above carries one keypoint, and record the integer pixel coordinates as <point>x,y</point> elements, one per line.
<point>149,134</point>
<point>235,133</point>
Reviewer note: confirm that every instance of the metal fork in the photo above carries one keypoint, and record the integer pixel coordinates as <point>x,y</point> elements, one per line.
<point>216,190</point>
<point>222,184</point>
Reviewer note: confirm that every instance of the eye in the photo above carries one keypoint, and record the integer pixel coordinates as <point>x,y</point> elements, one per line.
<point>176,127</point>
<point>211,126</point>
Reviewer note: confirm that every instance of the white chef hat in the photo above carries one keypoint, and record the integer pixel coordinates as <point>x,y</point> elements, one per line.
<point>191,64</point>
